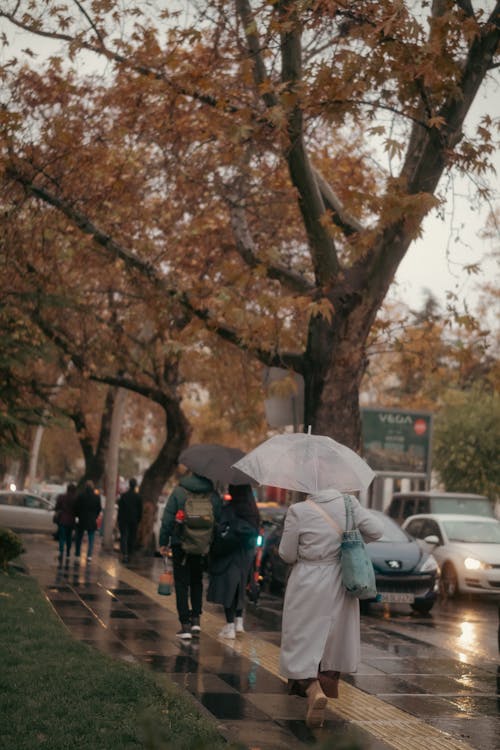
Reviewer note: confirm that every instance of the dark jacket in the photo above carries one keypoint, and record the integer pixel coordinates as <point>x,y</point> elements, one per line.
<point>228,575</point>
<point>65,506</point>
<point>87,508</point>
<point>130,507</point>
<point>190,484</point>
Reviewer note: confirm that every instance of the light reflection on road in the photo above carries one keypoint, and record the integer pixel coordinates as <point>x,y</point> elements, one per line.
<point>466,626</point>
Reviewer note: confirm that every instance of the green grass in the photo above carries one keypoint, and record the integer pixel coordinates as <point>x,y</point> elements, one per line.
<point>59,694</point>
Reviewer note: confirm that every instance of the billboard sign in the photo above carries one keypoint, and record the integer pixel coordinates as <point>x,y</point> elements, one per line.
<point>397,442</point>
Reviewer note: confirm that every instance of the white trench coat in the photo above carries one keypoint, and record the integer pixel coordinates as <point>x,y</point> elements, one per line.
<point>320,618</point>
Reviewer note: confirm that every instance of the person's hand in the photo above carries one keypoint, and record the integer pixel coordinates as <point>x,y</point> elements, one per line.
<point>164,551</point>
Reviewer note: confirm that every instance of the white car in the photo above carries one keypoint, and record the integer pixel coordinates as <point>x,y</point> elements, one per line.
<point>466,547</point>
<point>26,511</point>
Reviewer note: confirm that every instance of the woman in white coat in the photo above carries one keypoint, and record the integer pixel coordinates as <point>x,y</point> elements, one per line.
<point>320,631</point>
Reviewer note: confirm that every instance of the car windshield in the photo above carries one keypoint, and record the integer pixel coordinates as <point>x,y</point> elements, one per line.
<point>473,532</point>
<point>464,505</point>
<point>392,532</point>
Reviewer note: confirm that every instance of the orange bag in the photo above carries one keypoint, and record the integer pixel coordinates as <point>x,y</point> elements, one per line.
<point>166,580</point>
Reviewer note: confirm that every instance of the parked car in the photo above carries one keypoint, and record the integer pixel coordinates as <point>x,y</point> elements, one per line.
<point>406,504</point>
<point>405,570</point>
<point>26,511</point>
<point>272,516</point>
<point>466,547</point>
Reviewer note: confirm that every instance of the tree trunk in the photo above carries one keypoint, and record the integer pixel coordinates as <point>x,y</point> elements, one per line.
<point>111,477</point>
<point>178,431</point>
<point>332,389</point>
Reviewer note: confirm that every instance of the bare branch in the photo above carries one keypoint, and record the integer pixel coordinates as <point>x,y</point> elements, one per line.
<point>340,216</point>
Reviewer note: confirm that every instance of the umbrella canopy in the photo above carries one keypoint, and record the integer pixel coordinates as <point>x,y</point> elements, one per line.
<point>307,463</point>
<point>214,462</point>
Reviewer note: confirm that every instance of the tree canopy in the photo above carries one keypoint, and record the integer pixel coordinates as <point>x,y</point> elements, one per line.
<point>256,169</point>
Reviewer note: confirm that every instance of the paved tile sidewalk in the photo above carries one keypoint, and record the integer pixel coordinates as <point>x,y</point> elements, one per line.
<point>117,610</point>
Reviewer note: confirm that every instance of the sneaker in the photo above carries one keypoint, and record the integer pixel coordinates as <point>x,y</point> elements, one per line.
<point>185,632</point>
<point>228,631</point>
<point>195,626</point>
<point>238,624</point>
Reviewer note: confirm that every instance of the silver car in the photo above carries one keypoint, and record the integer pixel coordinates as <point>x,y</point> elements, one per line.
<point>26,511</point>
<point>466,547</point>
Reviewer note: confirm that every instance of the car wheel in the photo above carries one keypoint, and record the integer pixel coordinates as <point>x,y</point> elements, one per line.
<point>449,581</point>
<point>422,608</point>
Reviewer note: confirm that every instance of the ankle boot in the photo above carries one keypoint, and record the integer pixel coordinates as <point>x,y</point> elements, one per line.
<point>316,704</point>
<point>299,687</point>
<point>329,682</point>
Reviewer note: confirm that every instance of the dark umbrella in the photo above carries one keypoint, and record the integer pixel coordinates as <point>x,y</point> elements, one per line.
<point>215,462</point>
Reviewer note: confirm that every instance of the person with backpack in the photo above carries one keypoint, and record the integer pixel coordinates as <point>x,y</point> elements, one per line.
<point>232,555</point>
<point>129,516</point>
<point>187,526</point>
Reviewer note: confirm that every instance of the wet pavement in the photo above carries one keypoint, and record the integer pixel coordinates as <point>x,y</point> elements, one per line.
<point>404,695</point>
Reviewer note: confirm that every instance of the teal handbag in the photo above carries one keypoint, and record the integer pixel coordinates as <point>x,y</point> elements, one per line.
<point>358,575</point>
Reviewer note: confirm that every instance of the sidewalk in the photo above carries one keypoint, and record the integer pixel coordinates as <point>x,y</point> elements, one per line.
<point>117,610</point>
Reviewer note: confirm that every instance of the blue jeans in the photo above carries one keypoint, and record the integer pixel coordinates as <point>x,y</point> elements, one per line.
<point>65,539</point>
<point>78,541</point>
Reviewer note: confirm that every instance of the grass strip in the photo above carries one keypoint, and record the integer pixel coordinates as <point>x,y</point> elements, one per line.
<point>59,694</point>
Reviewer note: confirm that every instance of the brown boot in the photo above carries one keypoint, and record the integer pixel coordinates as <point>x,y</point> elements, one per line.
<point>299,687</point>
<point>329,682</point>
<point>316,704</point>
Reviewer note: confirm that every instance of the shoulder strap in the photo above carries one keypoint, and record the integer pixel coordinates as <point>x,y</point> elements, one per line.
<point>348,512</point>
<point>327,517</point>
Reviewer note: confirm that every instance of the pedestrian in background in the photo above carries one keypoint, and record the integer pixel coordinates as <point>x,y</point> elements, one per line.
<point>87,509</point>
<point>65,512</point>
<point>229,568</point>
<point>187,527</point>
<point>129,516</point>
<point>320,627</point>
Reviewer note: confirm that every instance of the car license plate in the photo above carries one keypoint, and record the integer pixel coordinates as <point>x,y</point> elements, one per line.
<point>396,598</point>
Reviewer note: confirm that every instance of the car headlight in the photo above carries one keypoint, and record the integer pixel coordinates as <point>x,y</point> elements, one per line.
<point>429,564</point>
<point>472,563</point>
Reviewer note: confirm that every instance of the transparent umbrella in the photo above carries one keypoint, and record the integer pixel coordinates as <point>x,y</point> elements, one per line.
<point>307,463</point>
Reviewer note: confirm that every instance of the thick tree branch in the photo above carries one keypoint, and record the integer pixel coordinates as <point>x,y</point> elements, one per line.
<point>340,216</point>
<point>247,251</point>
<point>271,359</point>
<point>325,260</point>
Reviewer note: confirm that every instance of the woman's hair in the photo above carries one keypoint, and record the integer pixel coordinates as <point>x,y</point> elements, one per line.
<point>243,502</point>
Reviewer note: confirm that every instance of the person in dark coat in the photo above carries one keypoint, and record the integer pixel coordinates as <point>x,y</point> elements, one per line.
<point>188,568</point>
<point>228,574</point>
<point>65,510</point>
<point>87,509</point>
<point>129,516</point>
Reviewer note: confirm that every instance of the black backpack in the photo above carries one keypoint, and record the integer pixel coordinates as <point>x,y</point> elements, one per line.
<point>232,533</point>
